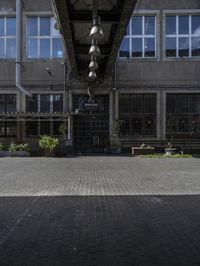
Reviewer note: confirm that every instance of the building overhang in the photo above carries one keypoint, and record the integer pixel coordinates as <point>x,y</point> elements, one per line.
<point>75,21</point>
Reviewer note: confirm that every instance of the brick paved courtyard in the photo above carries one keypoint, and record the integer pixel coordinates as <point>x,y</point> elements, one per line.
<point>99,211</point>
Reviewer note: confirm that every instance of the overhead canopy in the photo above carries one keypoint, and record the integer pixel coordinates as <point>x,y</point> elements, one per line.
<point>75,21</point>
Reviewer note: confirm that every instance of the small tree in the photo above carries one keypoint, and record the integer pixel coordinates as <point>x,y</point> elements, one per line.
<point>117,127</point>
<point>48,143</point>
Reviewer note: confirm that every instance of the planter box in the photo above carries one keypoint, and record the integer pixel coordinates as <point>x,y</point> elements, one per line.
<point>170,151</point>
<point>48,153</point>
<point>14,154</point>
<point>136,151</point>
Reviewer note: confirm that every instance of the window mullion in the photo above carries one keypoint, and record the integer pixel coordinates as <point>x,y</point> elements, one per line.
<point>177,36</point>
<point>190,36</point>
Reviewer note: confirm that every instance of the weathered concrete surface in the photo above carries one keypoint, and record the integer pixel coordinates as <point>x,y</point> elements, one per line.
<point>99,211</point>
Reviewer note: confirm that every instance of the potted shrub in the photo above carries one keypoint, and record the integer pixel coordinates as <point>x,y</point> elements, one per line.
<point>170,150</point>
<point>115,148</point>
<point>48,144</point>
<point>117,127</point>
<point>19,150</point>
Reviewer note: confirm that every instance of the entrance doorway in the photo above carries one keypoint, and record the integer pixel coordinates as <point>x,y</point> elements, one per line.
<point>91,127</point>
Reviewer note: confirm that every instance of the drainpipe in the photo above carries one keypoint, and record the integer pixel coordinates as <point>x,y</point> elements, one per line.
<point>18,50</point>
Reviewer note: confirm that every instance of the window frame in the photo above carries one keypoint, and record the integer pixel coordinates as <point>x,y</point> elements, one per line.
<point>156,36</point>
<point>5,37</point>
<point>181,12</point>
<point>39,37</point>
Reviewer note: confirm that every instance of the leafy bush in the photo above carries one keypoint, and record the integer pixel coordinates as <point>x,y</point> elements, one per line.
<point>1,147</point>
<point>13,147</point>
<point>48,143</point>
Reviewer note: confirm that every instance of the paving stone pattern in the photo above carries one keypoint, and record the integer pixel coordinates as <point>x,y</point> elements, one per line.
<point>99,211</point>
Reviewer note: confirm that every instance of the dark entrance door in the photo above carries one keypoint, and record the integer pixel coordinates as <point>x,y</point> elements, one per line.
<point>91,128</point>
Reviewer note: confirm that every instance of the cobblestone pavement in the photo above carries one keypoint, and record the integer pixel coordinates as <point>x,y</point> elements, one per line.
<point>99,211</point>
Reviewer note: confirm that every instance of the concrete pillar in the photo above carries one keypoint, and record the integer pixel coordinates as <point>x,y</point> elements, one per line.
<point>116,104</point>
<point>110,113</point>
<point>164,116</point>
<point>159,100</point>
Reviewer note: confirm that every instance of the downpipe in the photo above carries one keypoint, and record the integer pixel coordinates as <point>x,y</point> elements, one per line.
<point>18,50</point>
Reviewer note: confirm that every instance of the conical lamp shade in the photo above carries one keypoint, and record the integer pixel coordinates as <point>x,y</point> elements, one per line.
<point>92,75</point>
<point>93,65</point>
<point>94,50</point>
<point>96,32</point>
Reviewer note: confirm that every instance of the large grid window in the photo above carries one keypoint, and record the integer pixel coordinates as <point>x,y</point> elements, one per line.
<point>43,40</point>
<point>138,111</point>
<point>44,103</point>
<point>8,128</point>
<point>7,103</point>
<point>183,36</point>
<point>7,37</point>
<point>140,38</point>
<point>183,115</point>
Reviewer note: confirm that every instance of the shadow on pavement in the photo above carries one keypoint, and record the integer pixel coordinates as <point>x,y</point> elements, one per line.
<point>100,230</point>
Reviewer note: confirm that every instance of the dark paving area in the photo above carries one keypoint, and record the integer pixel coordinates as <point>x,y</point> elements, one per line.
<point>99,211</point>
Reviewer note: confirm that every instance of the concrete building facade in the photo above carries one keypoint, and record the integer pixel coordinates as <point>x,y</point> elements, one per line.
<point>154,88</point>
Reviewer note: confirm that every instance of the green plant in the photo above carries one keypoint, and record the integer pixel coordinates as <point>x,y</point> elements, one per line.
<point>1,147</point>
<point>48,143</point>
<point>63,130</point>
<point>23,147</point>
<point>12,147</point>
<point>117,127</point>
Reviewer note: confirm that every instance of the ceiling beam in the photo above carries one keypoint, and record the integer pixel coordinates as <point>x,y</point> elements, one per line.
<point>84,16</point>
<point>126,14</point>
<point>61,12</point>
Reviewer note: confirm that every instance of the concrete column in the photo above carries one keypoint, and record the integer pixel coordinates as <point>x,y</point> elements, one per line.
<point>70,101</point>
<point>164,116</point>
<point>159,134</point>
<point>110,112</point>
<point>116,104</point>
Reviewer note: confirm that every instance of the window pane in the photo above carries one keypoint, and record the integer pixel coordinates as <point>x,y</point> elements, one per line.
<point>149,27</point>
<point>124,49</point>
<point>2,128</point>
<point>183,103</point>
<point>2,103</point>
<point>2,54</point>
<point>137,126</point>
<point>196,24</point>
<point>32,104</point>
<point>137,103</point>
<point>2,33</point>
<point>195,105</point>
<point>170,25</point>
<point>149,103</point>
<point>195,124</point>
<point>149,46</point>
<point>54,31</point>
<point>44,127</point>
<point>11,26</point>
<point>32,48</point>
<point>44,26</point>
<point>170,47</point>
<point>183,47</point>
<point>196,46</point>
<point>45,48</point>
<point>137,47</point>
<point>183,25</point>
<point>137,25</point>
<point>11,128</point>
<point>57,51</point>
<point>32,26</point>
<point>10,103</point>
<point>31,128</point>
<point>183,124</point>
<point>124,103</point>
<point>150,126</point>
<point>11,48</point>
<point>45,103</point>
<point>171,104</point>
<point>126,126</point>
<point>56,126</point>
<point>57,103</point>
